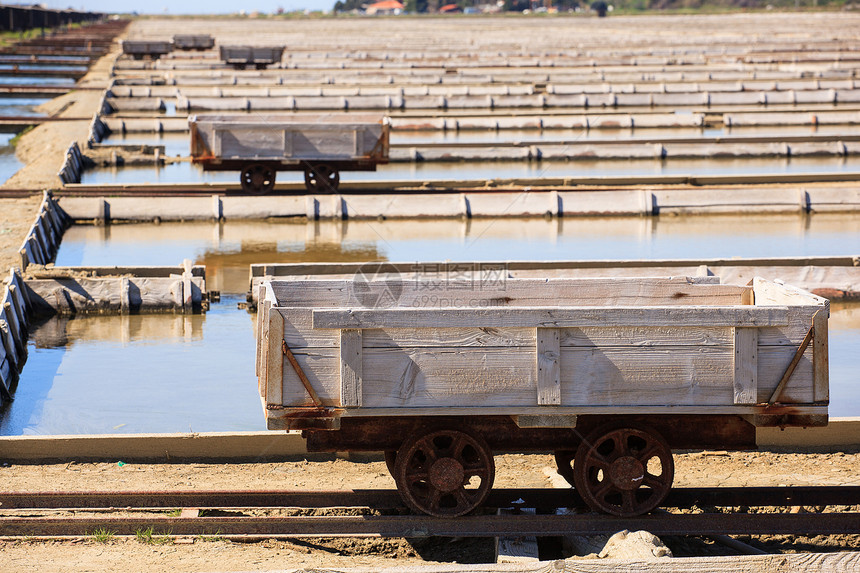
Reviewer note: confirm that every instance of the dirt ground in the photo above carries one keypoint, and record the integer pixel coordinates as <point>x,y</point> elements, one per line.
<point>16,216</point>
<point>692,469</point>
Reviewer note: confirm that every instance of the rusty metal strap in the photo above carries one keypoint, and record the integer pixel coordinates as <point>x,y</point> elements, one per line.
<point>794,362</point>
<point>301,374</point>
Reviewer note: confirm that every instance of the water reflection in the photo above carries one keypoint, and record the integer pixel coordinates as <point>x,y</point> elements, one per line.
<point>131,374</point>
<point>185,172</point>
<point>9,163</point>
<point>227,248</point>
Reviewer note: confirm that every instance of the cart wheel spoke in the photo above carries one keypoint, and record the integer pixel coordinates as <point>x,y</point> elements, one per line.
<point>433,471</point>
<point>628,501</point>
<point>598,462</point>
<point>611,467</point>
<point>652,481</point>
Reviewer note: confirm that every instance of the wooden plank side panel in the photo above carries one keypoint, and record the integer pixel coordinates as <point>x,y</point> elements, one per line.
<point>441,292</point>
<point>275,358</point>
<point>322,368</point>
<point>628,376</point>
<point>645,336</point>
<point>548,364</point>
<point>448,377</point>
<point>350,368</point>
<point>552,317</point>
<point>769,293</point>
<point>746,365</point>
<point>772,362</point>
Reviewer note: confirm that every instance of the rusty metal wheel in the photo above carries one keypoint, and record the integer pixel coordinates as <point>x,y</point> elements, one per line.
<point>445,473</point>
<point>322,178</point>
<point>257,179</point>
<point>623,470</point>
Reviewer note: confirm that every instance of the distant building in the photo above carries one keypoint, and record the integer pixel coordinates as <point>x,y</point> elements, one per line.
<point>384,7</point>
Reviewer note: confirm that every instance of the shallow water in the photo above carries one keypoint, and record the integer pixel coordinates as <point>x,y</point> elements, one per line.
<point>9,163</point>
<point>177,144</point>
<point>133,374</point>
<point>185,172</point>
<point>228,248</point>
<point>34,80</point>
<point>12,106</point>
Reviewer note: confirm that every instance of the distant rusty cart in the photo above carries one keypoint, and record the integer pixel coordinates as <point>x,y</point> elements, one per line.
<point>258,145</point>
<point>260,57</point>
<point>139,49</point>
<point>193,41</point>
<point>611,374</point>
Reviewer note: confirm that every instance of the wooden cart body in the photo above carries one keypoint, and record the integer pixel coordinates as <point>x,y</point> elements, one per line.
<point>146,48</point>
<point>540,351</point>
<point>193,41</point>
<point>259,56</point>
<point>289,142</point>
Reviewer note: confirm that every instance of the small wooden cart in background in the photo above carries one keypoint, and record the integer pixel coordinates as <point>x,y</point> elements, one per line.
<point>259,145</point>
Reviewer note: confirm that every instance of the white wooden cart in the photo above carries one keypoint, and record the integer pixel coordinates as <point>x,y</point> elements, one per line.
<point>611,374</point>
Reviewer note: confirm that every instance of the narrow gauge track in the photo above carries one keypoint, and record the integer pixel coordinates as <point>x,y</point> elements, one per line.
<point>399,525</point>
<point>424,186</point>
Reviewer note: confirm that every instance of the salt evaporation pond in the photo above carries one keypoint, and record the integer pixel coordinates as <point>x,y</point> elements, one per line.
<point>173,373</point>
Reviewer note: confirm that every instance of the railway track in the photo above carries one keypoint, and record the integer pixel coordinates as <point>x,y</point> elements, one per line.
<point>379,513</point>
<point>421,187</point>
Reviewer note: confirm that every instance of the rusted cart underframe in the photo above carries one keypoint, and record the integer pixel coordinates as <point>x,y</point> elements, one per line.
<point>258,177</point>
<point>606,457</point>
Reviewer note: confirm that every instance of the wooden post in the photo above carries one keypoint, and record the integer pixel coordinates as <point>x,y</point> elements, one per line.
<point>275,359</point>
<point>820,359</point>
<point>8,342</point>
<point>124,302</point>
<point>15,329</point>
<point>548,367</point>
<point>746,365</point>
<point>263,348</point>
<point>350,367</point>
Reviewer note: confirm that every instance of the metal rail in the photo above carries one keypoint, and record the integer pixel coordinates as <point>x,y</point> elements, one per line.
<point>425,526</point>
<point>684,497</point>
<point>713,523</point>
<point>419,187</point>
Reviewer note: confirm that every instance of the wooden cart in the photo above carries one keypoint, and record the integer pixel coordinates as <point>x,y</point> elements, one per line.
<point>139,49</point>
<point>261,144</point>
<point>259,57</point>
<point>610,374</point>
<point>196,42</point>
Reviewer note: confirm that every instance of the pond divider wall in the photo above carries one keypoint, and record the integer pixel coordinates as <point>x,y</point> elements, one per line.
<point>14,326</point>
<point>71,291</point>
<point>501,121</point>
<point>481,203</point>
<point>43,239</point>
<point>73,165</point>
